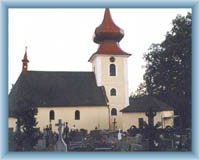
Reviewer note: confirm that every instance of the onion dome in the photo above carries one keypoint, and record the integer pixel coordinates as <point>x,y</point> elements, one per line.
<point>108,35</point>
<point>108,30</point>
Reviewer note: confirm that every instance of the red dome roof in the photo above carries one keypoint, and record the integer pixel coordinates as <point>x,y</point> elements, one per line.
<point>108,30</point>
<point>110,47</point>
<point>108,36</point>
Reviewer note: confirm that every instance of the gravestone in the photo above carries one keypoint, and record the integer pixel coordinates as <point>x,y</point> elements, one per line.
<point>119,136</point>
<point>41,145</point>
<point>132,143</point>
<point>60,145</point>
<point>123,146</point>
<point>138,138</point>
<point>136,147</point>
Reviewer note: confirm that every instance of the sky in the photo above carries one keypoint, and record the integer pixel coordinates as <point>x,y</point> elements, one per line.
<point>62,39</point>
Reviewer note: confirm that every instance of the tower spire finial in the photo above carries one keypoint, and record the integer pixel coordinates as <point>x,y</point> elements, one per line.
<point>25,61</point>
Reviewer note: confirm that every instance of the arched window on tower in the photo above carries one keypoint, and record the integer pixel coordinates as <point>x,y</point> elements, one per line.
<point>112,70</point>
<point>113,92</point>
<point>51,115</point>
<point>77,115</point>
<point>113,112</point>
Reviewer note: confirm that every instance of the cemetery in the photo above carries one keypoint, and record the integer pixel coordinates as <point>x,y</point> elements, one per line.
<point>148,137</point>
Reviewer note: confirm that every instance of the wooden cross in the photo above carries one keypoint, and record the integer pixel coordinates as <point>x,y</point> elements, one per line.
<point>114,124</point>
<point>60,124</point>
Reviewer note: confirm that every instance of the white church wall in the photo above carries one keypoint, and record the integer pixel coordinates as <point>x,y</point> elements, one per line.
<point>129,119</point>
<point>90,117</point>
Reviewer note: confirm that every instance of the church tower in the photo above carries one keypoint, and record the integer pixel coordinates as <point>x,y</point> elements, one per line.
<point>25,62</point>
<point>109,64</point>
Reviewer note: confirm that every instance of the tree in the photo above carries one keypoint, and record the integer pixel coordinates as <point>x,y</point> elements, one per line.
<point>141,91</point>
<point>168,69</point>
<point>25,115</point>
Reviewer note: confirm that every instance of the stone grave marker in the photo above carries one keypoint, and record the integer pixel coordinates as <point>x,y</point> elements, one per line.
<point>41,145</point>
<point>136,147</point>
<point>60,145</point>
<point>119,136</point>
<point>138,138</point>
<point>42,141</point>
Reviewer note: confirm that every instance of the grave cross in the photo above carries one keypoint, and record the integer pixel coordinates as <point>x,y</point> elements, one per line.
<point>151,129</point>
<point>60,124</point>
<point>60,144</point>
<point>114,124</point>
<point>150,114</point>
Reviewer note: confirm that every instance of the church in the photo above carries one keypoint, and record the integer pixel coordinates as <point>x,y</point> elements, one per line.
<point>88,100</point>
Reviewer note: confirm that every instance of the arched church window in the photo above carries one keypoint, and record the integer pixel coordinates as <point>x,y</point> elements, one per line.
<point>51,115</point>
<point>112,70</point>
<point>77,115</point>
<point>113,112</point>
<point>113,92</point>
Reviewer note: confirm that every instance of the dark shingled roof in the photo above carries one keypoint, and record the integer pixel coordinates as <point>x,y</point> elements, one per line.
<point>57,89</point>
<point>144,103</point>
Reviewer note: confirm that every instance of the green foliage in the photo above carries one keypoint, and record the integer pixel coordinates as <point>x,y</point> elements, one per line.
<point>26,116</point>
<point>140,92</point>
<point>168,69</point>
